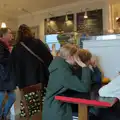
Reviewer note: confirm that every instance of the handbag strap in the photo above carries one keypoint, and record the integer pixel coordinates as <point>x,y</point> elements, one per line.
<point>30,51</point>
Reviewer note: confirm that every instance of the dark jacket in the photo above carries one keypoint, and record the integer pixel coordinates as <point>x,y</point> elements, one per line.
<point>96,76</point>
<point>27,69</point>
<point>96,83</point>
<point>5,82</point>
<point>62,79</point>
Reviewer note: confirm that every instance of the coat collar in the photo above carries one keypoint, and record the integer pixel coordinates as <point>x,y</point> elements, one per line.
<point>59,62</point>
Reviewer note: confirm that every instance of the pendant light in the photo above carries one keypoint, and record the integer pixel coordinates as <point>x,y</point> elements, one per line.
<point>48,21</point>
<point>3,25</point>
<point>66,18</point>
<point>86,15</point>
<point>117,18</point>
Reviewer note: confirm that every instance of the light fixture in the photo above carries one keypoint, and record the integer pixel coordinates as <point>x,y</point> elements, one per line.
<point>85,15</point>
<point>3,25</point>
<point>67,21</point>
<point>48,21</point>
<point>66,18</point>
<point>117,18</point>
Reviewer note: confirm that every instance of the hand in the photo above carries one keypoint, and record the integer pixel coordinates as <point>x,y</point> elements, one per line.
<point>79,62</point>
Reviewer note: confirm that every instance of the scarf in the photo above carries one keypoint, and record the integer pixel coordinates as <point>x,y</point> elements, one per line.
<point>6,44</point>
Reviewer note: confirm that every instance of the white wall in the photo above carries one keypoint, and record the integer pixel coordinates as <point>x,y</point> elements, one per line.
<point>38,17</point>
<point>12,24</point>
<point>108,55</point>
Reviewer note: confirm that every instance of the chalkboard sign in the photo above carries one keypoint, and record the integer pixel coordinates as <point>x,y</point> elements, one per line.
<point>93,25</point>
<point>58,24</point>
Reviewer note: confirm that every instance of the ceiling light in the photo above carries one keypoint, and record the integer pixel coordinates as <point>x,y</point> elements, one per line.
<point>48,21</point>
<point>67,21</point>
<point>3,25</point>
<point>66,18</point>
<point>85,15</point>
<point>117,18</point>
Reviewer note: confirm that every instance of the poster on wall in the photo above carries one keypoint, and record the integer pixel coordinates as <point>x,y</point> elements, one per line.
<point>93,25</point>
<point>58,24</point>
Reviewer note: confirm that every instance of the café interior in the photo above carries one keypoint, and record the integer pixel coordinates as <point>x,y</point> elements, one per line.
<point>94,22</point>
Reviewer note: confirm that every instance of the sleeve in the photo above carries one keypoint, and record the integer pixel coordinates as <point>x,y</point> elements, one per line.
<point>96,75</point>
<point>112,89</point>
<point>14,69</point>
<point>3,59</point>
<point>74,83</point>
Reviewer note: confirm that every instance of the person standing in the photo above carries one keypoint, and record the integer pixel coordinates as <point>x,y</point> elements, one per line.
<point>30,60</point>
<point>27,68</point>
<point>7,85</point>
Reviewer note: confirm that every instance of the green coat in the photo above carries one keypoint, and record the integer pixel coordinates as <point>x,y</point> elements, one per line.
<point>62,79</point>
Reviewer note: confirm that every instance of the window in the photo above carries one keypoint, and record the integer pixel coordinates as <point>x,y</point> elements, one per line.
<point>52,39</point>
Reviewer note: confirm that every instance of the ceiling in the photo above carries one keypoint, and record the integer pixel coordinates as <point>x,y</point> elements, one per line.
<point>15,8</point>
<point>116,10</point>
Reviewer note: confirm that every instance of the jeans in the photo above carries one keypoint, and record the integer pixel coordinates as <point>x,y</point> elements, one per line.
<point>4,110</point>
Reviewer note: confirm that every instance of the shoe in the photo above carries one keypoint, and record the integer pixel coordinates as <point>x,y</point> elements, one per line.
<point>4,118</point>
<point>1,118</point>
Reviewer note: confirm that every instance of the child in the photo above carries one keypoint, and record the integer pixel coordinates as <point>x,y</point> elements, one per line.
<point>61,79</point>
<point>96,77</point>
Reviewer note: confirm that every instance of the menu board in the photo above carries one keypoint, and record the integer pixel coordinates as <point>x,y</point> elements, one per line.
<point>58,24</point>
<point>93,25</point>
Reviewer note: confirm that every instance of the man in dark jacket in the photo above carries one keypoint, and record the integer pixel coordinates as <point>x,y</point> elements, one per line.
<point>6,84</point>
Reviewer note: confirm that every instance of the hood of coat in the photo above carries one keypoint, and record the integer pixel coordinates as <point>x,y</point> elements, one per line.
<point>58,62</point>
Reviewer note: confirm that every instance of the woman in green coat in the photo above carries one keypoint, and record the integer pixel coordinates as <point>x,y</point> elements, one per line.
<point>61,79</point>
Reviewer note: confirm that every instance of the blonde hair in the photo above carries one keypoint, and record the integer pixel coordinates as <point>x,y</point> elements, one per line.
<point>68,50</point>
<point>94,57</point>
<point>84,55</point>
